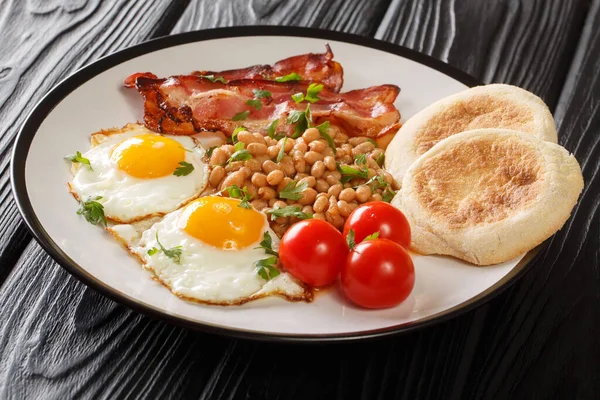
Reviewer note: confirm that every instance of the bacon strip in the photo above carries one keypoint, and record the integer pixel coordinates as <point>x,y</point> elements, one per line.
<point>187,104</point>
<point>311,67</point>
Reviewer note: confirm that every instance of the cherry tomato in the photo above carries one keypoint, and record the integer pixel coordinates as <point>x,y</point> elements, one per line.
<point>313,251</point>
<point>378,274</point>
<point>379,216</point>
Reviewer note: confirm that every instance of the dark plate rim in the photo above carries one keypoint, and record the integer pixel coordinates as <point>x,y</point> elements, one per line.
<point>65,87</point>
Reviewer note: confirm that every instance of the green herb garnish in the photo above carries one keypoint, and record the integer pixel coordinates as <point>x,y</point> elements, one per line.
<point>302,119</point>
<point>388,194</point>
<point>266,268</point>
<point>293,190</point>
<point>214,79</point>
<point>241,116</point>
<point>237,130</point>
<point>350,239</point>
<point>349,173</point>
<point>173,253</point>
<point>282,150</point>
<point>372,141</point>
<point>240,193</point>
<point>267,245</point>
<point>92,211</point>
<point>258,94</point>
<point>289,211</point>
<point>78,158</point>
<point>257,104</point>
<point>322,128</point>
<point>312,92</point>
<point>240,154</point>
<point>184,169</point>
<point>289,77</point>
<point>360,159</point>
<point>380,159</point>
<point>210,151</point>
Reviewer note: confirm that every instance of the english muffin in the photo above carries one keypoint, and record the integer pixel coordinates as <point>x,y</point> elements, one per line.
<point>488,195</point>
<point>489,106</point>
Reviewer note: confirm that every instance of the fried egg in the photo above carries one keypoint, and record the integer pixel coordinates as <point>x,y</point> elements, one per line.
<point>207,252</point>
<point>133,170</point>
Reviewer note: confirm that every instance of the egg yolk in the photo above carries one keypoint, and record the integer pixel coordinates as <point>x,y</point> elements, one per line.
<point>148,155</point>
<point>220,222</point>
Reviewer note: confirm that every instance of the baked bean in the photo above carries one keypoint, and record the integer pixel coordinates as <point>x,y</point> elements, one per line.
<point>275,177</point>
<point>376,153</point>
<point>289,144</point>
<point>347,159</point>
<point>287,165</point>
<point>310,180</point>
<point>312,157</point>
<point>259,204</point>
<point>270,141</point>
<point>372,163</point>
<point>254,165</point>
<point>216,175</point>
<point>376,197</point>
<point>340,152</point>
<point>311,134</point>
<point>246,171</point>
<point>279,204</point>
<point>349,185</point>
<point>321,186</point>
<point>259,138</point>
<point>272,201</point>
<point>363,148</point>
<point>273,151</point>
<point>333,208</point>
<point>328,217</point>
<point>320,204</point>
<point>228,149</point>
<point>299,164</point>
<point>347,148</point>
<point>307,210</point>
<point>344,208</point>
<point>234,166</point>
<point>269,166</point>
<point>300,175</point>
<point>259,179</point>
<point>335,190</point>
<point>245,137</point>
<point>236,178</point>
<point>328,152</point>
<point>330,163</point>
<point>341,138</point>
<point>318,145</point>
<point>331,180</point>
<point>338,221</point>
<point>317,169</point>
<point>389,179</point>
<point>218,157</point>
<point>257,149</point>
<point>279,229</point>
<point>355,141</point>
<point>347,195</point>
<point>281,220</point>
<point>250,188</point>
<point>363,193</point>
<point>262,159</point>
<point>266,193</point>
<point>319,215</point>
<point>353,206</point>
<point>308,197</point>
<point>301,147</point>
<point>284,182</point>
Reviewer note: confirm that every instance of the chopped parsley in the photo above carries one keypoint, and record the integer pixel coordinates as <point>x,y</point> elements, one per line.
<point>93,211</point>
<point>214,79</point>
<point>78,158</point>
<point>259,94</point>
<point>302,119</point>
<point>185,169</point>
<point>210,151</point>
<point>380,159</point>
<point>289,77</point>
<point>173,253</point>
<point>360,159</point>
<point>240,154</point>
<point>282,150</point>
<point>388,194</point>
<point>237,130</point>
<point>271,130</point>
<point>240,193</point>
<point>322,128</point>
<point>267,245</point>
<point>257,104</point>
<point>266,268</point>
<point>241,116</point>
<point>373,142</point>
<point>293,190</point>
<point>349,173</point>
<point>289,211</point>
<point>312,94</point>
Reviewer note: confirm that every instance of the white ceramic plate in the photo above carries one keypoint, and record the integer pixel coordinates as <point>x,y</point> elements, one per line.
<point>93,98</point>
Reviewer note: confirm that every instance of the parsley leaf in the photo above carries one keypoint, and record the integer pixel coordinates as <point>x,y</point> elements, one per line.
<point>312,92</point>
<point>289,77</point>
<point>266,268</point>
<point>349,173</point>
<point>302,119</point>
<point>322,128</point>
<point>281,150</point>
<point>267,245</point>
<point>185,169</point>
<point>92,211</point>
<point>261,93</point>
<point>257,104</point>
<point>293,190</point>
<point>78,158</point>
<point>373,142</point>
<point>380,159</point>
<point>350,239</point>
<point>298,97</point>
<point>240,193</point>
<point>372,236</point>
<point>237,130</point>
<point>271,128</point>
<point>241,116</point>
<point>214,79</point>
<point>388,194</point>
<point>240,153</point>
<point>289,211</point>
<point>210,151</point>
<point>360,159</point>
<point>173,253</point>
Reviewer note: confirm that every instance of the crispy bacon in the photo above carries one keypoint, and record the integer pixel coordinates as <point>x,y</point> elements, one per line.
<point>311,67</point>
<point>187,104</point>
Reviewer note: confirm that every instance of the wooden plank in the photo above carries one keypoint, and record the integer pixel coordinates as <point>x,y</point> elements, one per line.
<point>42,43</point>
<point>101,349</point>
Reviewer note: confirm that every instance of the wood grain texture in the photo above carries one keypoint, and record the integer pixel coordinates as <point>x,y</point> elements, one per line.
<point>59,339</point>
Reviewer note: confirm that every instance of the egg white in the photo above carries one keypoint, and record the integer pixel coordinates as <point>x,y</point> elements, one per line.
<point>205,273</point>
<point>126,198</point>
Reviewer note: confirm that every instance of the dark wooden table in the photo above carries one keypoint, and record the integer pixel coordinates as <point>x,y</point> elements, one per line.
<point>539,339</point>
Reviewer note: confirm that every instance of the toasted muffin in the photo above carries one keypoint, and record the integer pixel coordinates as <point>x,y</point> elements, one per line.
<point>489,106</point>
<point>488,195</point>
